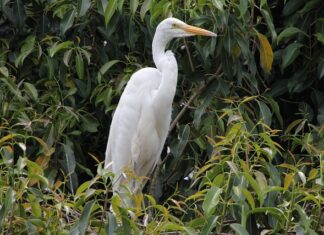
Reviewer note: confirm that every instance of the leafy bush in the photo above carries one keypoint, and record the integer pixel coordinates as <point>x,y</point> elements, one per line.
<point>246,144</point>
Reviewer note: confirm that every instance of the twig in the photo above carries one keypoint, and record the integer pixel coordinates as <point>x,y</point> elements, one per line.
<point>189,55</point>
<point>192,98</point>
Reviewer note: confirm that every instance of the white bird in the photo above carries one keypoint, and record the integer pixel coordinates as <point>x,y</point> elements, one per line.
<point>142,118</point>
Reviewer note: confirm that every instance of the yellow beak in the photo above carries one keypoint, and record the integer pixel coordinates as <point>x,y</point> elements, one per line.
<point>198,31</point>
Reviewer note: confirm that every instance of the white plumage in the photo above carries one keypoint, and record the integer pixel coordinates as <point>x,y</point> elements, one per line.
<point>141,121</point>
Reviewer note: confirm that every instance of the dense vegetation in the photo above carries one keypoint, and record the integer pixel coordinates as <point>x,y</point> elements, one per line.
<point>246,147</point>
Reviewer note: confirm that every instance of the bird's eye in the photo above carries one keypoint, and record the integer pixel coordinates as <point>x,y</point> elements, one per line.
<point>174,25</point>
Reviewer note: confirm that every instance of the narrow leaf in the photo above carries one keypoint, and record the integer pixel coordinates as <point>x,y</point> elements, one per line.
<point>145,7</point>
<point>67,21</point>
<point>79,64</point>
<point>58,47</point>
<point>239,229</point>
<point>211,200</point>
<point>266,53</point>
<point>133,6</point>
<point>288,33</point>
<point>83,6</point>
<point>85,216</point>
<point>110,10</point>
<point>290,53</point>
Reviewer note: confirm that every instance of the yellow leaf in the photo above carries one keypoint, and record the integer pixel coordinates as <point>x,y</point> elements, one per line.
<point>7,137</point>
<point>266,53</point>
<point>43,161</point>
<point>288,179</point>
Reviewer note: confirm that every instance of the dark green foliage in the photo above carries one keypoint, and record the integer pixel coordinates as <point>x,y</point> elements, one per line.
<point>246,156</point>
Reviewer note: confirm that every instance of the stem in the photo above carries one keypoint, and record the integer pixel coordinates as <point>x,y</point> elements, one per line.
<point>224,206</point>
<point>290,209</point>
<point>104,209</point>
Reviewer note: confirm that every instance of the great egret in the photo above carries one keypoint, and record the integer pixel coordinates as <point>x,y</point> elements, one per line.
<point>142,118</point>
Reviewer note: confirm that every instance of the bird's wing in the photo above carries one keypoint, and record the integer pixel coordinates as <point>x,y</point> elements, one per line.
<point>124,148</point>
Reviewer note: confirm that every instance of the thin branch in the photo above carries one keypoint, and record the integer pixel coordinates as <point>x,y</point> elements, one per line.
<point>189,55</point>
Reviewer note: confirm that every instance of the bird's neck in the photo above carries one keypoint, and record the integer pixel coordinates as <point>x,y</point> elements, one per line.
<point>158,48</point>
<point>167,65</point>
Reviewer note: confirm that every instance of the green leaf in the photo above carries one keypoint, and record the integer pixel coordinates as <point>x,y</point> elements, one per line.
<point>31,90</point>
<point>219,4</point>
<point>269,21</point>
<point>276,212</point>
<point>36,209</point>
<point>19,11</point>
<point>89,123</point>
<point>110,10</point>
<point>83,7</point>
<point>243,7</point>
<point>265,113</point>
<point>69,162</point>
<point>249,197</point>
<point>4,71</point>
<point>120,5</point>
<point>145,7</point>
<point>211,200</point>
<point>133,6</point>
<point>239,229</point>
<point>85,216</point>
<point>287,33</point>
<point>101,6</point>
<point>103,70</point>
<point>255,186</point>
<point>319,37</point>
<point>79,64</point>
<point>290,53</point>
<point>58,47</point>
<point>26,49</point>
<point>7,205</point>
<point>67,21</point>
<point>211,223</point>
<point>84,186</point>
<point>67,56</point>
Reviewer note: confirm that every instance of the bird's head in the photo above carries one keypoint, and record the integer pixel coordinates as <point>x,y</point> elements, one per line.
<point>174,28</point>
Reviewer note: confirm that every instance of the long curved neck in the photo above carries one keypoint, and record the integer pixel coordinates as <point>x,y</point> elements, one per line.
<point>159,44</point>
<point>167,65</point>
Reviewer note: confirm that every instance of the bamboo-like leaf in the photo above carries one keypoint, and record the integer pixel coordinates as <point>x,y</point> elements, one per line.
<point>211,200</point>
<point>288,179</point>
<point>26,49</point>
<point>239,229</point>
<point>85,216</point>
<point>266,53</point>
<point>103,70</point>
<point>79,65</point>
<point>133,6</point>
<point>290,53</point>
<point>110,10</point>
<point>7,137</point>
<point>145,7</point>
<point>288,33</point>
<point>67,21</point>
<point>83,6</point>
<point>255,186</point>
<point>265,112</point>
<point>249,197</point>
<point>58,47</point>
<point>211,223</point>
<point>6,207</point>
<point>31,90</point>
